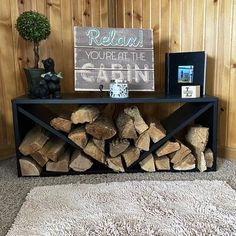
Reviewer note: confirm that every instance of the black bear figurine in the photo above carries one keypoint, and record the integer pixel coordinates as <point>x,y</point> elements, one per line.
<point>40,91</point>
<point>52,79</point>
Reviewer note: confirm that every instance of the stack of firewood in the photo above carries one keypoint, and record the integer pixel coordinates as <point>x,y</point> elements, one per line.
<point>115,143</point>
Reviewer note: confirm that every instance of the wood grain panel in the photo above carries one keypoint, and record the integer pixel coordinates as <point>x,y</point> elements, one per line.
<point>178,25</point>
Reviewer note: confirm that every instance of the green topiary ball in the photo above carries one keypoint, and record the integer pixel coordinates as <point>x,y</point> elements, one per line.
<point>33,26</point>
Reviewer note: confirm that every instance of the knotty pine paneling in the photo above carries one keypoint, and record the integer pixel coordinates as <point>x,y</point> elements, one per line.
<point>178,25</point>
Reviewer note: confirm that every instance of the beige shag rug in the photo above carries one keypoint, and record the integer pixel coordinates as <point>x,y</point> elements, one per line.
<point>129,208</point>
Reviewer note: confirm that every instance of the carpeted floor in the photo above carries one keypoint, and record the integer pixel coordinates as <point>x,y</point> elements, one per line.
<point>13,190</point>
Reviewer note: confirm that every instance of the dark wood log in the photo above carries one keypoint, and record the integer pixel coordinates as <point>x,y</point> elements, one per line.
<point>115,163</point>
<point>79,136</point>
<point>84,114</point>
<point>80,162</point>
<point>148,164</point>
<point>102,128</point>
<point>143,141</point>
<point>162,163</point>
<point>139,122</point>
<point>156,132</point>
<point>61,124</point>
<point>93,151</point>
<point>61,165</point>
<point>29,167</point>
<point>167,148</point>
<point>188,163</point>
<point>54,148</point>
<point>130,155</point>
<point>125,126</point>
<point>198,137</point>
<point>33,141</point>
<point>117,146</point>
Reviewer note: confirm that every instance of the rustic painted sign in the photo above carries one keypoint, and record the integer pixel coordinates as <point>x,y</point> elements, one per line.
<point>105,54</point>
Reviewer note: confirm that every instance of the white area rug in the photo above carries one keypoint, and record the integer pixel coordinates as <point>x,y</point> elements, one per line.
<point>129,208</point>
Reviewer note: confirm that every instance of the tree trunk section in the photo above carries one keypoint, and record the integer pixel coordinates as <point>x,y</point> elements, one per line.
<point>188,163</point>
<point>29,167</point>
<point>131,155</point>
<point>61,124</point>
<point>79,137</point>
<point>117,146</point>
<point>115,163</point>
<point>93,151</point>
<point>143,141</point>
<point>167,148</point>
<point>162,163</point>
<point>148,164</point>
<point>156,132</point>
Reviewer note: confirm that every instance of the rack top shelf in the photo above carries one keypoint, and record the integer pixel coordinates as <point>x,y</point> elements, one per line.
<point>95,98</point>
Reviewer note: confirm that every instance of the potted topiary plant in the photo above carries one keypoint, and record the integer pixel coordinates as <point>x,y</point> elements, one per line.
<point>34,27</point>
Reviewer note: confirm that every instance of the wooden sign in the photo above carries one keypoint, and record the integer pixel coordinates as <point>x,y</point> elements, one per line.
<point>105,54</point>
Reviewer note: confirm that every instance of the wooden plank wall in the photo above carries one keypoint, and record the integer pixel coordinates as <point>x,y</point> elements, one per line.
<point>179,25</point>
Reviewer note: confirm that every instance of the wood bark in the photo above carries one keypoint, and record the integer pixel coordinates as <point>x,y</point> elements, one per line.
<point>115,163</point>
<point>29,167</point>
<point>180,154</point>
<point>167,148</point>
<point>143,141</point>
<point>188,163</point>
<point>100,144</point>
<point>61,124</point>
<point>85,114</point>
<point>209,157</point>
<point>102,128</point>
<point>156,132</point>
<point>54,148</point>
<point>79,137</point>
<point>162,163</point>
<point>130,155</point>
<point>117,146</point>
<point>61,165</point>
<point>148,164</point>
<point>33,141</point>
<point>80,162</point>
<point>139,123</point>
<point>198,137</point>
<point>93,151</point>
<point>125,126</point>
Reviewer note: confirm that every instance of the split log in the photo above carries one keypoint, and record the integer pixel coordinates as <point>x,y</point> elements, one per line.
<point>162,163</point>
<point>40,157</point>
<point>139,123</point>
<point>61,124</point>
<point>180,154</point>
<point>117,146</point>
<point>33,141</point>
<point>80,162</point>
<point>168,148</point>
<point>62,165</point>
<point>79,136</point>
<point>156,132</point>
<point>85,114</point>
<point>198,137</point>
<point>100,144</point>
<point>209,157</point>
<point>130,155</point>
<point>115,163</point>
<point>93,151</point>
<point>148,164</point>
<point>188,163</point>
<point>54,148</point>
<point>125,126</point>
<point>201,162</point>
<point>29,167</point>
<point>143,141</point>
<point>102,128</point>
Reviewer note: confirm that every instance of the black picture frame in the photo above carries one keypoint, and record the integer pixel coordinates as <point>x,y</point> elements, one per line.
<point>183,69</point>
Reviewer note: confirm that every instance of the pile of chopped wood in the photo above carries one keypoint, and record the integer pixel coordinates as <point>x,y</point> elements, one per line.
<point>117,143</point>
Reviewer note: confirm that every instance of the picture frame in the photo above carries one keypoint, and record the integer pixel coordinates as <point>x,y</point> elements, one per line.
<point>185,69</point>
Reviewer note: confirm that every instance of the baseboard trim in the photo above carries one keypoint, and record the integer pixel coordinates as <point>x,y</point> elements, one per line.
<point>227,153</point>
<point>6,153</point>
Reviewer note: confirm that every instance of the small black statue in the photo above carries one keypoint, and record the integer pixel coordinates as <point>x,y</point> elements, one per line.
<point>52,79</point>
<point>41,90</point>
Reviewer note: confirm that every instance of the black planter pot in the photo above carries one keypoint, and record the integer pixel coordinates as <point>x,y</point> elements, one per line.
<point>33,76</point>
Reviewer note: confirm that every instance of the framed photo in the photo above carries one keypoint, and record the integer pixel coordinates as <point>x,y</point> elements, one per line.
<point>185,68</point>
<point>102,55</point>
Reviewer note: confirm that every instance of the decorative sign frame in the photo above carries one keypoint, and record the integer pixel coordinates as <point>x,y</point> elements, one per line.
<point>105,54</point>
